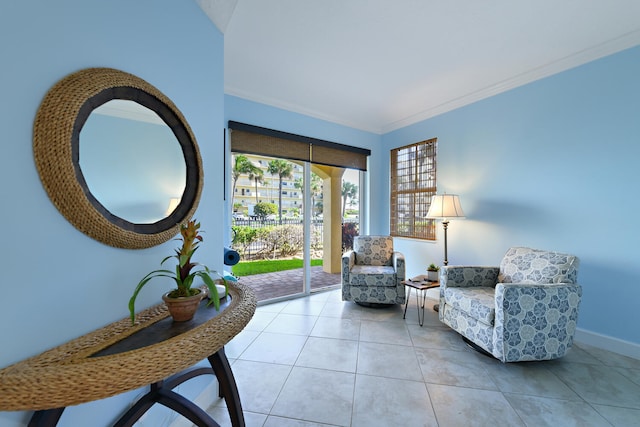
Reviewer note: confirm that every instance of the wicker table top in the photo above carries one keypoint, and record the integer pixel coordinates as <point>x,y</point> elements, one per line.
<point>98,365</point>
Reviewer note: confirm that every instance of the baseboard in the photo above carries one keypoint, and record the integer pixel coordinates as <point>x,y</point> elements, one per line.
<point>605,342</point>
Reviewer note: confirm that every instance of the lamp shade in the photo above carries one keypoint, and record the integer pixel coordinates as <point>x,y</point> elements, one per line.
<point>445,206</point>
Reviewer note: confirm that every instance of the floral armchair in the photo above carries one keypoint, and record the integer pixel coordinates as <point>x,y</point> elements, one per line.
<point>525,309</point>
<point>372,273</point>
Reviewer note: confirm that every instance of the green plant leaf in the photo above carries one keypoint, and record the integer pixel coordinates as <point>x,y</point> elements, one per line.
<point>188,281</point>
<point>144,281</point>
<point>166,258</point>
<point>214,298</point>
<point>183,259</point>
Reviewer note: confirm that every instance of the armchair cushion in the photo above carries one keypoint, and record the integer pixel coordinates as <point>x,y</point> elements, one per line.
<point>373,250</point>
<point>464,276</point>
<point>477,302</point>
<point>373,275</point>
<point>526,265</point>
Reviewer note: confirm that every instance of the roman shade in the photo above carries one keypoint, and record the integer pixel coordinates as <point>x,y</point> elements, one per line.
<point>250,139</point>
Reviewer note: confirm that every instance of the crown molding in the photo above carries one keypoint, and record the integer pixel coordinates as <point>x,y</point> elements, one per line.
<point>585,56</point>
<point>295,108</point>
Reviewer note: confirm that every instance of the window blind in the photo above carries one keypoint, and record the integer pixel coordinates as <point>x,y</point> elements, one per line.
<point>250,139</point>
<point>413,183</point>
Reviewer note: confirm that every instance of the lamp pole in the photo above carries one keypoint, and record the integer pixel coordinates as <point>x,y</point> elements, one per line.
<point>445,206</point>
<point>445,225</point>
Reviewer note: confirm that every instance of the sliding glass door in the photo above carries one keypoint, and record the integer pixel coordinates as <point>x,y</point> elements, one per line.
<point>288,218</point>
<point>291,222</point>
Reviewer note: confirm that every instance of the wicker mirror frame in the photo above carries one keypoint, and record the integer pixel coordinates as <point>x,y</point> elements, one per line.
<point>56,135</point>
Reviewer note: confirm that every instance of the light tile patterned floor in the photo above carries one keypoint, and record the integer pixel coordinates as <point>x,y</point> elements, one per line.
<point>319,361</point>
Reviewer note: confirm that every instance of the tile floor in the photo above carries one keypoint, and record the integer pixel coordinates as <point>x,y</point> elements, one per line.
<point>319,361</point>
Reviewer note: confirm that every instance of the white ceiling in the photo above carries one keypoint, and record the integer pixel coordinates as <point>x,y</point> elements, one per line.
<point>378,65</point>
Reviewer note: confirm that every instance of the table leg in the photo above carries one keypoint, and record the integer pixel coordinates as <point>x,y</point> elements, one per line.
<point>418,306</point>
<point>186,408</point>
<point>228,387</point>
<point>49,417</point>
<point>161,392</point>
<point>406,301</point>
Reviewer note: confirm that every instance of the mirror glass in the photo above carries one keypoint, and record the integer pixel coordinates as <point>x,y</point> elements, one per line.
<point>132,162</point>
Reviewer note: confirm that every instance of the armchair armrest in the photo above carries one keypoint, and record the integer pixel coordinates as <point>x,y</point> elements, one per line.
<point>467,276</point>
<point>348,261</point>
<point>535,321</point>
<point>399,265</point>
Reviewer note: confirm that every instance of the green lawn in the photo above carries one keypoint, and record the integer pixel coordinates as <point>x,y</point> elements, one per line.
<point>247,268</point>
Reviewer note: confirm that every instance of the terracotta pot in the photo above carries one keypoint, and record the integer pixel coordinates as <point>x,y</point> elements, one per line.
<point>183,308</point>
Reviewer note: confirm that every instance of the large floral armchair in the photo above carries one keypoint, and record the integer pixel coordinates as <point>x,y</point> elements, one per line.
<point>372,273</point>
<point>525,309</point>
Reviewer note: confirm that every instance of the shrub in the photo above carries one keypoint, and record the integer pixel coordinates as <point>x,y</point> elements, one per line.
<point>244,236</point>
<point>349,231</point>
<point>283,240</point>
<point>264,209</point>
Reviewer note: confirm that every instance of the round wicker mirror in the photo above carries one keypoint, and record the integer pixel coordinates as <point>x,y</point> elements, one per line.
<point>56,136</point>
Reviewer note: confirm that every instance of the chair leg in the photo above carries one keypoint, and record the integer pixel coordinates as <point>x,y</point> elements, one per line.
<point>374,304</point>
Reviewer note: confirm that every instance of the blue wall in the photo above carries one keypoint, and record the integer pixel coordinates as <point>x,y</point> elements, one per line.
<point>552,165</point>
<point>72,283</point>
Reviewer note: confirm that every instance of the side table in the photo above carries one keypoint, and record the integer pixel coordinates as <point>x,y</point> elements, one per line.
<point>422,286</point>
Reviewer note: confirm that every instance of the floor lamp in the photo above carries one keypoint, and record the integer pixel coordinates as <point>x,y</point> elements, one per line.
<point>445,206</point>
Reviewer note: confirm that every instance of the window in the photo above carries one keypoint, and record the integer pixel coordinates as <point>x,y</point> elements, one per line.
<point>413,183</point>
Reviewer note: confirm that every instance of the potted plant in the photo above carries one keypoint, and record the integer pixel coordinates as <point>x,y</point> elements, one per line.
<point>183,301</point>
<point>432,272</point>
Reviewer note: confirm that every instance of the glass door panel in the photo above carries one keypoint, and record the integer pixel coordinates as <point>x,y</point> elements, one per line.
<point>267,224</point>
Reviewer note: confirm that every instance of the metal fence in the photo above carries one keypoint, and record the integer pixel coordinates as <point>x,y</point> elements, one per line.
<point>287,233</point>
<point>271,244</point>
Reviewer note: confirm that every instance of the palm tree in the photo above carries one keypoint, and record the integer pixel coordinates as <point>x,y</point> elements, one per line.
<point>283,169</point>
<point>257,175</point>
<point>315,187</point>
<point>241,166</point>
<point>349,191</point>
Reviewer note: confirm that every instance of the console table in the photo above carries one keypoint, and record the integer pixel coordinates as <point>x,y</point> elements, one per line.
<point>120,357</point>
